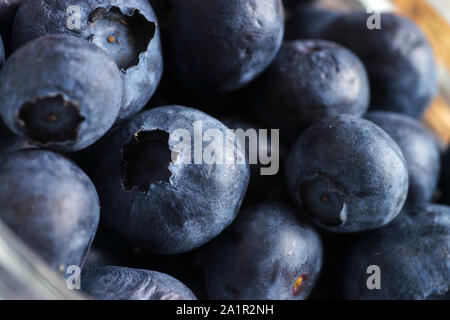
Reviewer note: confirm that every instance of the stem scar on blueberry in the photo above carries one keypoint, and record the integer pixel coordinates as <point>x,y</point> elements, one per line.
<point>147,158</point>
<point>50,119</point>
<point>298,284</point>
<point>322,202</point>
<point>135,32</point>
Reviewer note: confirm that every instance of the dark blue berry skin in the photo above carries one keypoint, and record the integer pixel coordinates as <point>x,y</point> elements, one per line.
<point>308,81</point>
<point>119,283</point>
<point>398,58</point>
<point>8,9</point>
<point>166,207</point>
<point>50,204</point>
<point>420,149</point>
<point>135,46</point>
<point>347,175</point>
<point>2,53</point>
<point>412,253</point>
<point>218,46</point>
<point>262,255</point>
<point>60,92</point>
<point>308,21</point>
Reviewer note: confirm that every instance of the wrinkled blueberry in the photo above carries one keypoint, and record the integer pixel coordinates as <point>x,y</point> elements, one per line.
<point>50,204</point>
<point>398,58</point>
<point>127,30</point>
<point>411,254</point>
<point>60,92</point>
<point>347,175</point>
<point>217,46</point>
<point>308,21</point>
<point>419,148</point>
<point>119,283</point>
<point>169,206</point>
<point>308,81</point>
<point>267,254</point>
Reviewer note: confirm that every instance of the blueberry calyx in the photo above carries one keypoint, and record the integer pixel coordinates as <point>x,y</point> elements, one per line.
<point>146,160</point>
<point>322,202</point>
<point>50,119</point>
<point>123,35</point>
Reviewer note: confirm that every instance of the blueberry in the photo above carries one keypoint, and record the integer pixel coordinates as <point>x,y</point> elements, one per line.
<point>162,205</point>
<point>267,254</point>
<point>308,21</point>
<point>411,253</point>
<point>127,30</point>
<point>119,283</point>
<point>420,149</point>
<point>310,80</point>
<point>8,10</point>
<point>398,58</point>
<point>50,204</point>
<point>217,46</point>
<point>60,92</point>
<point>347,175</point>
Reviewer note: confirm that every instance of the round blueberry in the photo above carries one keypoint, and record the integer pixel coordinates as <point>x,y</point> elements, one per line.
<point>50,204</point>
<point>398,58</point>
<point>308,81</point>
<point>60,92</point>
<point>166,198</point>
<point>119,283</point>
<point>217,46</point>
<point>267,254</point>
<point>126,30</point>
<point>420,149</point>
<point>8,10</point>
<point>347,175</point>
<point>409,257</point>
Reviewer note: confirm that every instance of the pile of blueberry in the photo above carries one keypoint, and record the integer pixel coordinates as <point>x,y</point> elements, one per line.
<point>94,95</point>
